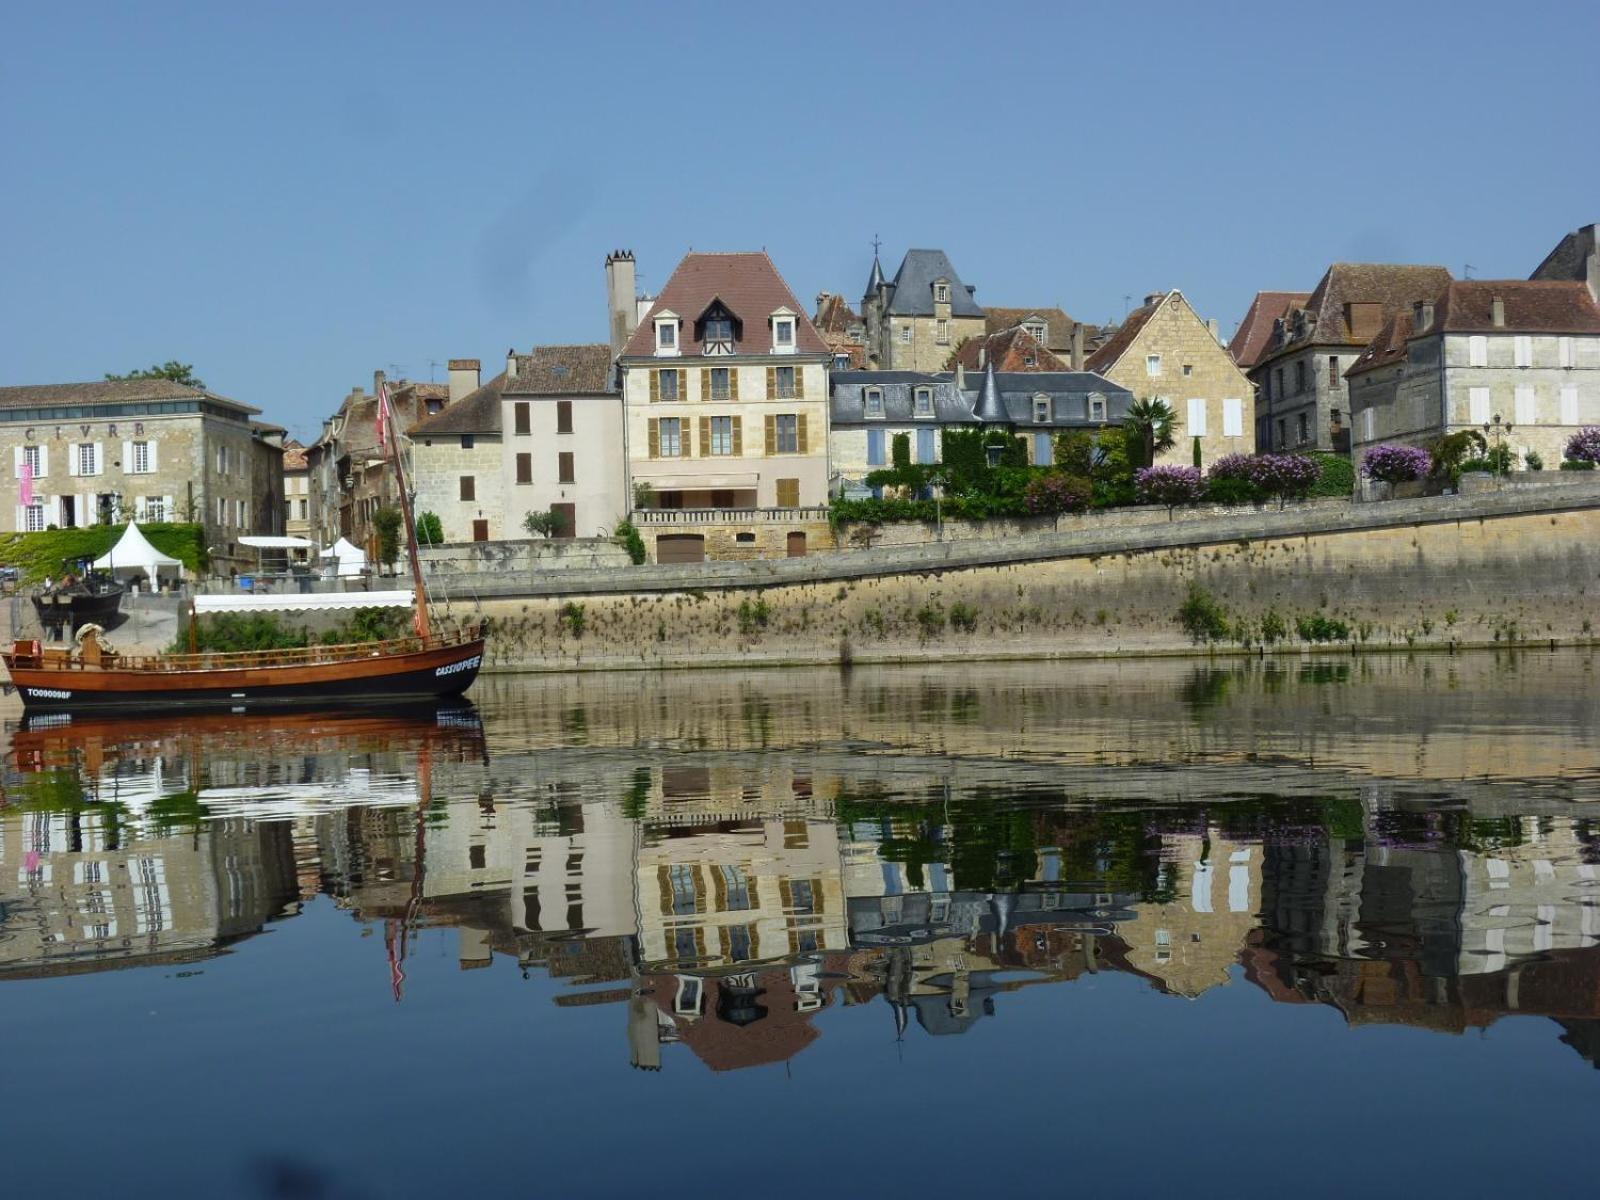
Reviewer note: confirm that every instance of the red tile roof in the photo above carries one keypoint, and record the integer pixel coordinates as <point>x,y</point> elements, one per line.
<point>835,316</point>
<point>1542,306</point>
<point>1392,286</point>
<point>1389,346</point>
<point>746,283</point>
<point>1011,350</point>
<point>1250,339</point>
<point>1106,357</point>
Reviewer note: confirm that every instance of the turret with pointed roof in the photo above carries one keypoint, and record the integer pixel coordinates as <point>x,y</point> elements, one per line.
<point>990,409</point>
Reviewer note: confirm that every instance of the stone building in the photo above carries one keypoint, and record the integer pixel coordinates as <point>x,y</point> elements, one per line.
<point>843,330</point>
<point>561,417</point>
<point>148,449</point>
<point>1165,351</point>
<point>1065,338</point>
<point>298,520</point>
<point>870,408</point>
<point>1523,352</point>
<point>724,387</point>
<point>1013,349</point>
<point>456,457</point>
<point>1300,369</point>
<point>916,322</point>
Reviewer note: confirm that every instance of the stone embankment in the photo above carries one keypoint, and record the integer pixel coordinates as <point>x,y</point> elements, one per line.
<point>1517,566</point>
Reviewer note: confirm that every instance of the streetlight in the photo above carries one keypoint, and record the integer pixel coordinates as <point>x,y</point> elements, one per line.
<point>1499,430</point>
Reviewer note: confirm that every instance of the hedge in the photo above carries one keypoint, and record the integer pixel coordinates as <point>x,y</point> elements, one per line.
<point>37,555</point>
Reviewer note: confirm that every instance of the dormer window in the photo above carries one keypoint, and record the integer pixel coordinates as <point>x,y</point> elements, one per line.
<point>783,331</point>
<point>922,401</point>
<point>874,403</point>
<point>1097,409</point>
<point>941,292</point>
<point>1041,410</point>
<point>1038,331</point>
<point>666,334</point>
<point>719,329</point>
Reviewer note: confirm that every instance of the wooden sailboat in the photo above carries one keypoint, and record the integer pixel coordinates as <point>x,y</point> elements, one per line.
<point>430,664</point>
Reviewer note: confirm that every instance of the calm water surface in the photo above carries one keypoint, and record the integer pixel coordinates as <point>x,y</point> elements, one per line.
<point>1314,928</point>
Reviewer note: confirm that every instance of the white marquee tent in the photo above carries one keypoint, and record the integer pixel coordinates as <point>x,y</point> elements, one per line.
<point>348,560</point>
<point>133,552</point>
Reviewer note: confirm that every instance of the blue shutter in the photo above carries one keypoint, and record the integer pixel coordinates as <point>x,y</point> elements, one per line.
<point>925,446</point>
<point>875,447</point>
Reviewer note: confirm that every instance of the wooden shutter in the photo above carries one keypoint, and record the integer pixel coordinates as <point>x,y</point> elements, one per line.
<point>524,468</point>
<point>705,436</point>
<point>800,435</point>
<point>772,434</point>
<point>788,493</point>
<point>772,383</point>
<point>685,428</point>
<point>655,386</point>
<point>565,471</point>
<point>683,383</point>
<point>705,383</point>
<point>799,382</point>
<point>738,435</point>
<point>733,383</point>
<point>655,438</point>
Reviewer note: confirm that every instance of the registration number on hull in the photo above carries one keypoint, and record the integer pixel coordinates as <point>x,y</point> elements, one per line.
<point>48,694</point>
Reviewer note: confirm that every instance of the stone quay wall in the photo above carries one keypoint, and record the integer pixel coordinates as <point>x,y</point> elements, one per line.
<point>1512,567</point>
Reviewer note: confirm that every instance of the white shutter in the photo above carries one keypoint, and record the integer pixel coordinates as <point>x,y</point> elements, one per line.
<point>1477,351</point>
<point>1522,349</point>
<point>16,465</point>
<point>22,517</point>
<point>1197,418</point>
<point>1564,351</point>
<point>1232,418</point>
<point>127,458</point>
<point>99,458</point>
<point>55,511</point>
<point>167,511</point>
<point>138,508</point>
<point>72,459</point>
<point>1367,422</point>
<point>1477,405</point>
<point>1526,408</point>
<point>150,453</point>
<point>44,461</point>
<point>1569,405</point>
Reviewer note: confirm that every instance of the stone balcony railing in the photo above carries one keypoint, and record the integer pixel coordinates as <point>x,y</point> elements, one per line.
<point>644,517</point>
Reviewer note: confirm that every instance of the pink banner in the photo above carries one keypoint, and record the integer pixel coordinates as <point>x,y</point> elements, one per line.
<point>27,483</point>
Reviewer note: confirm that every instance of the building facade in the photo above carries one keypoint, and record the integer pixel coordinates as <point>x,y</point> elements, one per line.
<point>1165,351</point>
<point>1300,367</point>
<point>456,458</point>
<point>298,519</point>
<point>915,322</point>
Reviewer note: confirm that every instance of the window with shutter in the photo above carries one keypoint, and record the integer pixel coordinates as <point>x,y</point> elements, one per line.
<point>524,468</point>
<point>1197,417</point>
<point>1523,350</point>
<point>1569,405</point>
<point>565,467</point>
<point>524,418</point>
<point>1478,405</point>
<point>1233,418</point>
<point>141,458</point>
<point>788,434</point>
<point>1477,351</point>
<point>721,435</point>
<point>1564,351</point>
<point>469,488</point>
<point>721,385</point>
<point>1525,407</point>
<point>875,448</point>
<point>665,385</point>
<point>788,493</point>
<point>563,416</point>
<point>784,382</point>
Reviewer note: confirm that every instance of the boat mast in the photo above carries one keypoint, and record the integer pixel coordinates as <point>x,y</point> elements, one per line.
<point>424,626</point>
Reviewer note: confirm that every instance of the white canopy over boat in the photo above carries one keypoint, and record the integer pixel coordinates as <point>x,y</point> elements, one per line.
<point>133,552</point>
<point>301,601</point>
<point>348,558</point>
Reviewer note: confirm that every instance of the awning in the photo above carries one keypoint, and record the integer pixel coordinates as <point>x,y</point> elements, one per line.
<point>276,543</point>
<point>300,601</point>
<point>700,483</point>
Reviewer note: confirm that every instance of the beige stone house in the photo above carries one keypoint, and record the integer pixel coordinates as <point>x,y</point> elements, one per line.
<point>1165,351</point>
<point>916,321</point>
<point>457,456</point>
<point>725,398</point>
<point>298,520</point>
<point>149,449</point>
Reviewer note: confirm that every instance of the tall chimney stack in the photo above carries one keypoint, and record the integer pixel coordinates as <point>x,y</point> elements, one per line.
<point>622,293</point>
<point>1497,312</point>
<point>1077,346</point>
<point>464,376</point>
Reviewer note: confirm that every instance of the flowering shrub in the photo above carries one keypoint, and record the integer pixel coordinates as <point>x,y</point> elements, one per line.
<point>1171,486</point>
<point>1395,464</point>
<point>1056,492</point>
<point>1584,446</point>
<point>1281,475</point>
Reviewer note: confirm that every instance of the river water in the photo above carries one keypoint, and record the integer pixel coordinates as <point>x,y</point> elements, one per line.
<point>1324,926</point>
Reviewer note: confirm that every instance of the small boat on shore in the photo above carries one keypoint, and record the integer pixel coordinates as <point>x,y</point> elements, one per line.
<point>94,599</point>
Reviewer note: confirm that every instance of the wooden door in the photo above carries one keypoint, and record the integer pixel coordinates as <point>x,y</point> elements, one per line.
<point>797,545</point>
<point>680,548</point>
<point>480,531</point>
<point>566,516</point>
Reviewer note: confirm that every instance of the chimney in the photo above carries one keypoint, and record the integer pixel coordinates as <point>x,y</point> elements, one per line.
<point>1153,298</point>
<point>1076,361</point>
<point>1425,316</point>
<point>622,293</point>
<point>983,354</point>
<point>464,374</point>
<point>961,375</point>
<point>1216,333</point>
<point>378,378</point>
<point>972,289</point>
<point>511,362</point>
<point>1497,312</point>
<point>822,298</point>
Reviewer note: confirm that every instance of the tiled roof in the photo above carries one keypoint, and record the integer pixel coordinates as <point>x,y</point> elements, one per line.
<point>1541,306</point>
<point>1058,326</point>
<point>1108,354</point>
<point>562,370</point>
<point>1392,286</point>
<point>1389,346</point>
<point>108,391</point>
<point>747,284</point>
<point>294,457</point>
<point>476,412</point>
<point>1250,339</point>
<point>835,316</point>
<point>1011,350</point>
<point>839,343</point>
<point>913,286</point>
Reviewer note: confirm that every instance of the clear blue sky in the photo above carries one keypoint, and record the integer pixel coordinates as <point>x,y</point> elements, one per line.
<point>290,195</point>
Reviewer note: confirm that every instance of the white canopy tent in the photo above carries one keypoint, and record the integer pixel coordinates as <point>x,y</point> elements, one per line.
<point>133,552</point>
<point>348,560</point>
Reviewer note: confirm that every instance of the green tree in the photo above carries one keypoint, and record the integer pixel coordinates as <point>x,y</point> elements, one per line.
<point>541,524</point>
<point>430,530</point>
<point>171,369</point>
<point>1150,422</point>
<point>387,522</point>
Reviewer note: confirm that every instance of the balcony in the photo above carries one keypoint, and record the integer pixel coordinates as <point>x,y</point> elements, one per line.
<point>646,517</point>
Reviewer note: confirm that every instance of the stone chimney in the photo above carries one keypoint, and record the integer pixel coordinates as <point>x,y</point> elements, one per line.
<point>1216,332</point>
<point>1497,312</point>
<point>961,375</point>
<point>464,376</point>
<point>983,354</point>
<point>622,291</point>
<point>1421,315</point>
<point>1076,361</point>
<point>511,362</point>
<point>378,378</point>
<point>1153,298</point>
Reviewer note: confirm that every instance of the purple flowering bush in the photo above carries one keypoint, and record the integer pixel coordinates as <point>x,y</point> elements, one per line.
<point>1395,464</point>
<point>1057,492</point>
<point>1584,446</point>
<point>1169,485</point>
<point>1234,476</point>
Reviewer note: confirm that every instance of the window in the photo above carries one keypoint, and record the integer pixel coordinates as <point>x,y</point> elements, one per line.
<point>469,488</point>
<point>735,889</point>
<point>305,511</point>
<point>1279,392</point>
<point>1564,351</point>
<point>1525,408</point>
<point>1522,350</point>
<point>1283,433</point>
<point>875,447</point>
<point>722,435</point>
<point>1300,376</point>
<point>941,293</point>
<point>1368,421</point>
<point>787,427</point>
<point>88,459</point>
<point>33,459</point>
<point>523,422</point>
<point>1477,351</point>
<point>1043,449</point>
<point>1569,405</point>
<point>222,460</point>
<point>1097,409</point>
<point>1152,365</point>
<point>719,329</point>
<point>33,518</point>
<point>241,510</point>
<point>926,452</point>
<point>671,438</point>
<point>685,889</point>
<point>1188,370</point>
<point>1041,409</point>
<point>222,511</point>
<point>468,440</point>
<point>666,335</point>
<point>1334,418</point>
<point>524,468</point>
<point>563,416</point>
<point>1478,405</point>
<point>720,388</point>
<point>1197,418</point>
<point>783,332</point>
<point>1233,418</point>
<point>783,381</point>
<point>564,468</point>
<point>941,332</point>
<point>1333,369</point>
<point>143,462</point>
<point>788,493</point>
<point>905,334</point>
<point>1302,428</point>
<point>1038,331</point>
<point>922,401</point>
<point>874,402</point>
<point>841,362</point>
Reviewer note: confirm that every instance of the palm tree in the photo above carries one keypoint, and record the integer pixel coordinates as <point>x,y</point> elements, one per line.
<point>1151,422</point>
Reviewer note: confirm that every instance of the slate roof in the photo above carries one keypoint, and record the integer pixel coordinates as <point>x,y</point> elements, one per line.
<point>562,370</point>
<point>108,391</point>
<point>748,284</point>
<point>1569,260</point>
<point>1531,306</point>
<point>1069,392</point>
<point>476,412</point>
<point>1108,354</point>
<point>913,286</point>
<point>848,405</point>
<point>1255,331</point>
<point>1393,286</point>
<point>1009,350</point>
<point>988,407</point>
<point>1058,326</point>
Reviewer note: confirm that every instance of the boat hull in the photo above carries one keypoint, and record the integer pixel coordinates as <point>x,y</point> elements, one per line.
<point>437,672</point>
